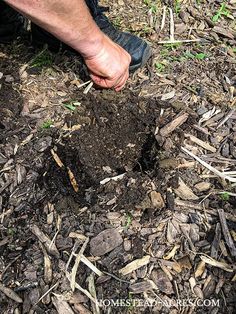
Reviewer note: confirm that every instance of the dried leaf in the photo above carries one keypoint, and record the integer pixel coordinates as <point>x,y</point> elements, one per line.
<point>215,263</point>
<point>10,294</point>
<point>134,265</point>
<point>172,253</point>
<point>73,180</point>
<point>57,159</point>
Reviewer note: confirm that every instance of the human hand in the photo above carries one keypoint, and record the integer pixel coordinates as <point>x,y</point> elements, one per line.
<point>109,65</point>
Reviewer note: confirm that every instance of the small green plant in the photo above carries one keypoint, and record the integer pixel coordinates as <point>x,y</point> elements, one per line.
<point>151,5</point>
<point>43,59</point>
<point>47,124</point>
<point>225,196</point>
<point>160,67</point>
<point>117,21</point>
<point>128,221</point>
<point>71,105</point>
<point>198,56</point>
<point>130,301</point>
<point>222,11</point>
<point>11,231</point>
<point>172,46</point>
<point>177,6</point>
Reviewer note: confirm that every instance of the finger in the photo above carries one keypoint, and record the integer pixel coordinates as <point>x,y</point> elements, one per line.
<point>106,83</point>
<point>122,83</point>
<point>100,81</point>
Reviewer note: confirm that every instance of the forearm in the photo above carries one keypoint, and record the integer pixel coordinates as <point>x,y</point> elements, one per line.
<point>69,21</point>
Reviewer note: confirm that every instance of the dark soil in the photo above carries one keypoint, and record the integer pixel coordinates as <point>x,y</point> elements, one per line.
<point>155,202</point>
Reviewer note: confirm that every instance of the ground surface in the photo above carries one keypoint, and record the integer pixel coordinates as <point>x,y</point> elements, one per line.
<point>102,177</point>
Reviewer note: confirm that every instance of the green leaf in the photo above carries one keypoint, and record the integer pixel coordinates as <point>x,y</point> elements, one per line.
<point>200,56</point>
<point>47,124</point>
<point>71,105</point>
<point>225,196</point>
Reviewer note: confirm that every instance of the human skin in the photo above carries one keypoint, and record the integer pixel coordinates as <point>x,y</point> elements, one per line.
<point>72,23</point>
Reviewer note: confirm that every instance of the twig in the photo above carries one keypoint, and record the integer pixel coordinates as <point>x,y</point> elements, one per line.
<point>228,116</point>
<point>77,261</point>
<point>117,278</point>
<point>183,41</point>
<point>172,26</point>
<point>90,265</point>
<point>87,89</point>
<point>163,18</point>
<point>92,290</point>
<point>77,286</point>
<point>209,167</point>
<point>84,84</point>
<point>226,232</point>
<point>47,292</point>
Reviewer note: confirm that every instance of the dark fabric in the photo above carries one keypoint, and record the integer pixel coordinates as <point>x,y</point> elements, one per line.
<point>11,23</point>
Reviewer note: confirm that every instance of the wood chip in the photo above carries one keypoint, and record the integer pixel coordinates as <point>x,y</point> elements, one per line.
<point>162,281</point>
<point>168,96</point>
<point>209,286</point>
<point>10,293</point>
<point>201,143</point>
<point>47,265</point>
<point>50,247</point>
<point>200,269</point>
<point>216,242</point>
<point>222,31</point>
<point>61,305</point>
<point>226,233</point>
<point>105,242</point>
<point>136,264</point>
<point>184,192</point>
<point>140,287</point>
<point>184,263</point>
<point>170,127</point>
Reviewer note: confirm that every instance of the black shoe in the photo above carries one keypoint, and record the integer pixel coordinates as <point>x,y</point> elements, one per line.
<point>138,49</point>
<point>11,24</point>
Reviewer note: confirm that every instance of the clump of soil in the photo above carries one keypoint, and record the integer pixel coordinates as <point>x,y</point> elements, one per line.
<point>114,138</point>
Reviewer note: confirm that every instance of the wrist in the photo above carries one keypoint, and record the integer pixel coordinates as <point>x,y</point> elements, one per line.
<point>91,45</point>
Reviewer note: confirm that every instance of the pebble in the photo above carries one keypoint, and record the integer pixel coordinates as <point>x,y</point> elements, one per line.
<point>9,79</point>
<point>202,186</point>
<point>157,200</point>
